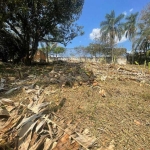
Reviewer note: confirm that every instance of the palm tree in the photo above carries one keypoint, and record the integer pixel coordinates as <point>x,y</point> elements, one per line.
<point>50,46</point>
<point>112,28</point>
<point>130,28</point>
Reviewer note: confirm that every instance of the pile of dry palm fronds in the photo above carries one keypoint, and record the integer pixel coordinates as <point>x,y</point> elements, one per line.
<point>35,126</point>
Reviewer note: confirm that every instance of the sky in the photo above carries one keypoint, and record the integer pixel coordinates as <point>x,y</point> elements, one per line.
<point>93,13</point>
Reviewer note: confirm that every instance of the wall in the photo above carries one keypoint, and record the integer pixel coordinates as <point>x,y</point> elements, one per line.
<point>119,60</point>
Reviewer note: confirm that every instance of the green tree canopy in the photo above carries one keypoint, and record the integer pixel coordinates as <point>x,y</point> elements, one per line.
<point>58,50</point>
<point>94,49</point>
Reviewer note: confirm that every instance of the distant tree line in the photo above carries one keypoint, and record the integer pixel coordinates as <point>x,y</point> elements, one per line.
<point>98,50</point>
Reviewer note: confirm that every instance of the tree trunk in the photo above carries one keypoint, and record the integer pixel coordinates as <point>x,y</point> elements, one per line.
<point>27,61</point>
<point>34,49</point>
<point>133,51</point>
<point>112,54</point>
<point>47,55</point>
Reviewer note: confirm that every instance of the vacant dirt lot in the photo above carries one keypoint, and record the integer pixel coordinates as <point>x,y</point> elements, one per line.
<point>112,101</point>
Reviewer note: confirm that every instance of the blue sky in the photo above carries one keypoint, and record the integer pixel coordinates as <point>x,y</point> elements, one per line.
<point>94,12</point>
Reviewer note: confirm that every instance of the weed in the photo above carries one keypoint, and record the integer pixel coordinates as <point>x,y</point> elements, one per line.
<point>136,63</point>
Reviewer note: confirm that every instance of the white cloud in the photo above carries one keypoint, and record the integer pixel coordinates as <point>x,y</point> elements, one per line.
<point>125,13</point>
<point>131,10</point>
<point>96,34</point>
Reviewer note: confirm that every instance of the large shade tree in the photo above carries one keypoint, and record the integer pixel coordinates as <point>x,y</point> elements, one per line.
<point>34,21</point>
<point>112,28</point>
<point>10,45</point>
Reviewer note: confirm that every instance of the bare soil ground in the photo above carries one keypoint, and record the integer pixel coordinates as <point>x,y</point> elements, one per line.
<point>114,105</point>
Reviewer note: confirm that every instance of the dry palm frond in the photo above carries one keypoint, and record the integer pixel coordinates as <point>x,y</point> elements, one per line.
<point>37,127</point>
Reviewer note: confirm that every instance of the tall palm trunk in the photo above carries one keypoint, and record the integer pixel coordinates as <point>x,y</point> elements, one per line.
<point>112,41</point>
<point>133,51</point>
<point>112,54</point>
<point>112,47</point>
<point>111,28</point>
<point>132,55</point>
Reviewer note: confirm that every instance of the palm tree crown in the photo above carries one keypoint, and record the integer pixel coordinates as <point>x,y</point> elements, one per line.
<point>130,25</point>
<point>130,28</point>
<point>111,26</point>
